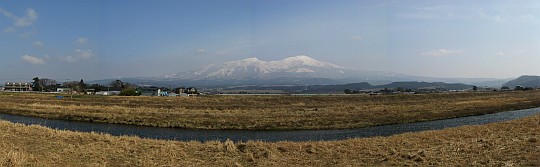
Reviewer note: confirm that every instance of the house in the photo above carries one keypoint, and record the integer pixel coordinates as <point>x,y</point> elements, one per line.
<point>190,90</point>
<point>148,91</point>
<point>63,90</point>
<point>107,93</point>
<point>18,86</point>
<point>1,88</point>
<point>162,93</point>
<point>91,91</point>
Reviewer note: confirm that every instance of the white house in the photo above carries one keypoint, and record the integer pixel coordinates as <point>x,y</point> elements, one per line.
<point>63,90</point>
<point>107,93</point>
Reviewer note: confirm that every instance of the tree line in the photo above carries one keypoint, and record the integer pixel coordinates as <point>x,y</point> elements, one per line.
<point>51,85</point>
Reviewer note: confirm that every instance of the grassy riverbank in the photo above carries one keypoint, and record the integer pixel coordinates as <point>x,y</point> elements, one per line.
<point>266,112</point>
<point>512,143</point>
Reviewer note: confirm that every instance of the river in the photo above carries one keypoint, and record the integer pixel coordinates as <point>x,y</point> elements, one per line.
<point>270,136</point>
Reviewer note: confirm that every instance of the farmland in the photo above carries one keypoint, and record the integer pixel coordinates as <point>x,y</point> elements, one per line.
<point>266,112</point>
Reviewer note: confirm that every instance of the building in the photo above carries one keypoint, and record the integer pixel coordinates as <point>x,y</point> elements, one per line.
<point>1,88</point>
<point>148,91</point>
<point>91,91</point>
<point>63,90</point>
<point>18,86</point>
<point>108,93</point>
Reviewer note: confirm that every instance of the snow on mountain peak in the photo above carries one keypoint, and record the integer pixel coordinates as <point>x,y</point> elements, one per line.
<point>253,67</point>
<point>300,57</point>
<point>303,60</point>
<point>251,59</point>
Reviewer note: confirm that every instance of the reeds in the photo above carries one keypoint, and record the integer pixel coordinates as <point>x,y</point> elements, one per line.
<point>512,143</point>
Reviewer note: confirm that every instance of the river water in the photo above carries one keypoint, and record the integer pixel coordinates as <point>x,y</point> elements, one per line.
<point>244,135</point>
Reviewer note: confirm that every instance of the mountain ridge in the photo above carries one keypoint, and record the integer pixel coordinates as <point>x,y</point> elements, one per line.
<point>359,86</point>
<point>525,81</point>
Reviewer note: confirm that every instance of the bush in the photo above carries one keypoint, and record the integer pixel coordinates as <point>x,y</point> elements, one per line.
<point>128,92</point>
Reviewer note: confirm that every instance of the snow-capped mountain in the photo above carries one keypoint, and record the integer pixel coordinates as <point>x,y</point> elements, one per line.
<point>301,66</point>
<point>297,70</point>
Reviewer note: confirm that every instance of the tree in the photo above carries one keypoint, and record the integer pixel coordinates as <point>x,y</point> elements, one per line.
<point>47,83</point>
<point>126,85</point>
<point>347,91</point>
<point>116,85</point>
<point>81,86</point>
<point>97,87</point>
<point>474,88</point>
<point>72,84</point>
<point>35,85</point>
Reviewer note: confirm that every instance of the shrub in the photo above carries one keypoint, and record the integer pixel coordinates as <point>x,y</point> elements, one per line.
<point>128,92</point>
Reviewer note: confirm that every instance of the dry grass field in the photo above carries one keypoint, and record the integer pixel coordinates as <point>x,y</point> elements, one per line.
<point>266,112</point>
<point>512,143</point>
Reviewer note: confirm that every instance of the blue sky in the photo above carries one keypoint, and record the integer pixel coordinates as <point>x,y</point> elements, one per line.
<point>66,39</point>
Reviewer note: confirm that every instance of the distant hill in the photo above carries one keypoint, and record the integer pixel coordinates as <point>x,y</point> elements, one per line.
<point>525,81</point>
<point>357,86</point>
<point>426,85</point>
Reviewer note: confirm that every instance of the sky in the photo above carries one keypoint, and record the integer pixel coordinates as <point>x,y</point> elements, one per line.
<point>98,39</point>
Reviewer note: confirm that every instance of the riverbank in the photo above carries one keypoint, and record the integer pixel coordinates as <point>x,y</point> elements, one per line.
<point>512,143</point>
<point>266,112</point>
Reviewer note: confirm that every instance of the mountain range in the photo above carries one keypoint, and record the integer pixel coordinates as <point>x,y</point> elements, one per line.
<point>296,70</point>
<point>525,81</point>
<point>364,86</point>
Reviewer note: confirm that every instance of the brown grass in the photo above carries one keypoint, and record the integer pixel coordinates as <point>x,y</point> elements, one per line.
<point>266,112</point>
<point>512,143</point>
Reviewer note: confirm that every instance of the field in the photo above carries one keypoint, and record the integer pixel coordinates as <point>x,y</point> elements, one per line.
<point>266,112</point>
<point>513,143</point>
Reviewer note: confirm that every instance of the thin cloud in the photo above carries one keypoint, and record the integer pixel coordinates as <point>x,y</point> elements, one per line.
<point>79,55</point>
<point>84,54</point>
<point>6,13</point>
<point>441,52</point>
<point>33,60</point>
<point>10,30</point>
<point>69,59</point>
<point>28,19</point>
<point>449,12</point>
<point>201,50</point>
<point>38,44</point>
<point>81,40</point>
<point>526,17</point>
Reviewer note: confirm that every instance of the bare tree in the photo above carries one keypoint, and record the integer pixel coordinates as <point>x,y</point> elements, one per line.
<point>71,84</point>
<point>46,83</point>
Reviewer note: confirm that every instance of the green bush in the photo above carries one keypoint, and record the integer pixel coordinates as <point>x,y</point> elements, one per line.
<point>128,92</point>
